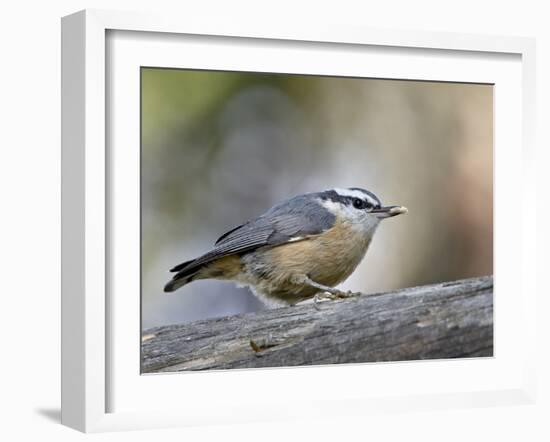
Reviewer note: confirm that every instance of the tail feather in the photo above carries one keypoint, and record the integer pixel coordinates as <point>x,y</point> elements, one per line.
<point>181,266</point>
<point>177,282</point>
<point>186,272</point>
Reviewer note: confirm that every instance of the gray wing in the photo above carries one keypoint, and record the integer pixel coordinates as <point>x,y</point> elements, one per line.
<point>293,220</point>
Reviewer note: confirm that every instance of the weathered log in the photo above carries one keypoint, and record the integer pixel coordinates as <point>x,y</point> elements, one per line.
<point>447,320</point>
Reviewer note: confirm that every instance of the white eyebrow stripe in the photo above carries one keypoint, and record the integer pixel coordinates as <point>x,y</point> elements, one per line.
<point>350,192</point>
<point>356,194</point>
<point>372,200</point>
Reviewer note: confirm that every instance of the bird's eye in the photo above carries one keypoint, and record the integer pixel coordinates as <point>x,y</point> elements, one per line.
<point>358,203</point>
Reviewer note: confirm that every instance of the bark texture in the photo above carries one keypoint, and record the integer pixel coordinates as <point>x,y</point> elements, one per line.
<point>447,320</point>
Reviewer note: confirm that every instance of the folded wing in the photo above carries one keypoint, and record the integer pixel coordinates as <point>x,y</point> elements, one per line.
<point>293,221</point>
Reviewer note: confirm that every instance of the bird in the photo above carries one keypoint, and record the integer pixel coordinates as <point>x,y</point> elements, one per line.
<point>300,249</point>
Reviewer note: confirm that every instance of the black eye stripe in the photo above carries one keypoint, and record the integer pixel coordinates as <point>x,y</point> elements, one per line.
<point>370,194</point>
<point>348,200</point>
<point>359,203</point>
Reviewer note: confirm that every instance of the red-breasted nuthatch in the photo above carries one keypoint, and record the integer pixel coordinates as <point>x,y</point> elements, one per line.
<point>298,248</point>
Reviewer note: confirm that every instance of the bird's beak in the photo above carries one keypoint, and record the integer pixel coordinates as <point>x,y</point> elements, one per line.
<point>389,211</point>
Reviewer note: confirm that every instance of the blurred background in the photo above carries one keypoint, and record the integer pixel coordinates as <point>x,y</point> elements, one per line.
<point>219,148</point>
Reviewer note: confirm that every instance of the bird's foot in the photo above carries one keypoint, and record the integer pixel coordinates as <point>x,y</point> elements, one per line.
<point>350,294</point>
<point>333,295</point>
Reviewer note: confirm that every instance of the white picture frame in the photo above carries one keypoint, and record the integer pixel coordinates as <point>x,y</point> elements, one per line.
<point>88,319</point>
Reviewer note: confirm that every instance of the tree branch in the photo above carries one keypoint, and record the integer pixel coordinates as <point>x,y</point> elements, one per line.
<point>447,320</point>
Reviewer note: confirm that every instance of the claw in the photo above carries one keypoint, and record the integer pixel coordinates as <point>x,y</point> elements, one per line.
<point>332,296</point>
<point>317,299</point>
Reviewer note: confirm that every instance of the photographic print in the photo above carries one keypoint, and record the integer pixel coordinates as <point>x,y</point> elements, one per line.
<point>298,220</point>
